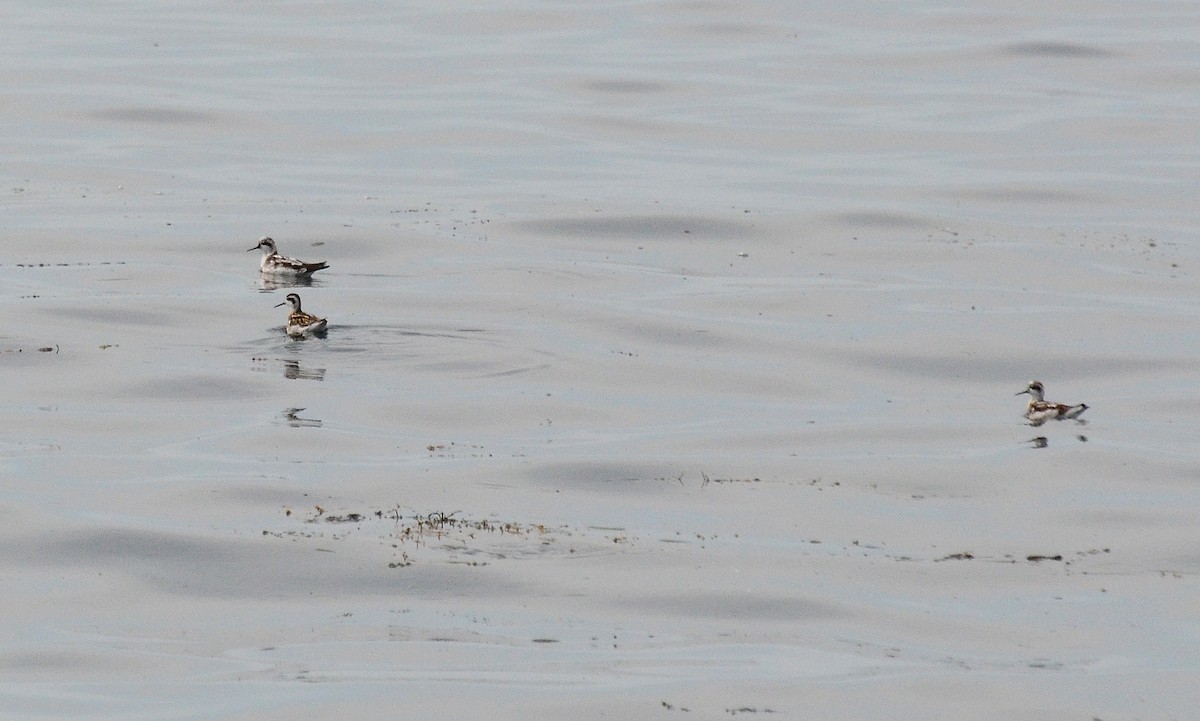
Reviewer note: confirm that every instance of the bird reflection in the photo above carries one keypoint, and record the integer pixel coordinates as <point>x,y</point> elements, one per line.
<point>293,371</point>
<point>1042,441</point>
<point>268,283</point>
<point>296,421</point>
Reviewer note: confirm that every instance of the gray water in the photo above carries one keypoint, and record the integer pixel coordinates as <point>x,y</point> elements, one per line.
<point>671,364</point>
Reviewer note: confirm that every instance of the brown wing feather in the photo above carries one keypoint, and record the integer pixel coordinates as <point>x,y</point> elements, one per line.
<point>301,318</point>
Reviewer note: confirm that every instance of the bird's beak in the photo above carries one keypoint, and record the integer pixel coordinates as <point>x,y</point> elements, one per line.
<point>1022,392</point>
<point>277,304</point>
<point>254,248</point>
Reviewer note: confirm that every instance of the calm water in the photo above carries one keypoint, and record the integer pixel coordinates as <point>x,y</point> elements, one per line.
<point>671,364</point>
<point>1082,117</point>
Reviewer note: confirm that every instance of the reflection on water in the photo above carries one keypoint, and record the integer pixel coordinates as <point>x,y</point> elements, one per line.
<point>293,371</point>
<point>1042,441</point>
<point>268,283</point>
<point>296,421</point>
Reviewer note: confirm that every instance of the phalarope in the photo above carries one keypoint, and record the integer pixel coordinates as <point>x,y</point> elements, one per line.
<point>300,323</point>
<point>1040,410</point>
<point>275,264</point>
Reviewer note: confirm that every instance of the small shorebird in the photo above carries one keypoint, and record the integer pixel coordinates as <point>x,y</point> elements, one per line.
<point>275,264</point>
<point>1040,410</point>
<point>300,323</point>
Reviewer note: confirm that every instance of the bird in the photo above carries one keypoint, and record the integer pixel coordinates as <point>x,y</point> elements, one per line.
<point>300,323</point>
<point>1040,410</point>
<point>275,264</point>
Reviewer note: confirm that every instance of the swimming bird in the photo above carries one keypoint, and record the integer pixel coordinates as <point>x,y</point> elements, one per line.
<point>1040,410</point>
<point>275,264</point>
<point>300,323</point>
